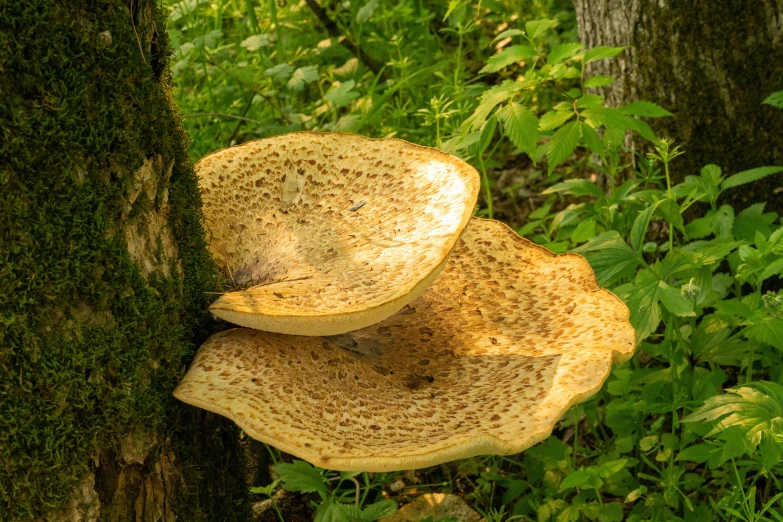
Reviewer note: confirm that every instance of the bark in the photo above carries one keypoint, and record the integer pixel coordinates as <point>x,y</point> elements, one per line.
<point>711,64</point>
<point>103,276</point>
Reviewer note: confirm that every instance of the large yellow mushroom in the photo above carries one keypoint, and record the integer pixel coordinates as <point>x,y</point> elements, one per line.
<point>326,233</point>
<point>486,361</point>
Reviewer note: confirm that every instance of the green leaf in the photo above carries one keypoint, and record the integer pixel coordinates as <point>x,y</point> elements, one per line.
<point>342,94</point>
<point>673,300</point>
<point>553,119</point>
<point>301,477</point>
<point>381,509</point>
<point>255,42</point>
<point>749,412</point>
<point>598,81</point>
<point>562,144</point>
<point>612,467</point>
<point>563,51</point>
<point>775,268</point>
<point>610,257</point>
<point>646,109</point>
<point>490,99</point>
<point>640,225</point>
<point>576,187</point>
<point>583,231</point>
<point>591,138</point>
<point>670,211</point>
<point>768,329</point>
<point>535,28</point>
<point>281,71</point>
<point>609,512</point>
<point>590,101</point>
<point>698,453</point>
<point>575,479</point>
<point>521,127</point>
<point>509,55</point>
<point>723,221</point>
<point>485,138</point>
<point>349,512</point>
<point>507,33</point>
<point>303,76</point>
<point>748,176</point>
<point>366,11</point>
<point>329,511</point>
<point>775,99</point>
<point>642,301</point>
<point>601,53</point>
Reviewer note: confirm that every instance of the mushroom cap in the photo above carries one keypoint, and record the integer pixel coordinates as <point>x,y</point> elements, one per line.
<point>330,232</point>
<point>484,362</point>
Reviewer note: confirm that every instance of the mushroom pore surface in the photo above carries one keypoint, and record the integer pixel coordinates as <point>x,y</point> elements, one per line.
<point>486,361</point>
<point>325,232</point>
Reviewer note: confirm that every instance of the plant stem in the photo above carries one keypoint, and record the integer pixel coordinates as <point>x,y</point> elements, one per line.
<point>485,182</point>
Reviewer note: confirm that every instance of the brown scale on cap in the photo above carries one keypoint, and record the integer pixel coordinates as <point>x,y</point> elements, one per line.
<point>330,232</point>
<point>486,361</point>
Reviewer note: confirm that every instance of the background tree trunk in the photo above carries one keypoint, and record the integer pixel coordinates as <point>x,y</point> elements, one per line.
<point>711,64</point>
<point>103,274</point>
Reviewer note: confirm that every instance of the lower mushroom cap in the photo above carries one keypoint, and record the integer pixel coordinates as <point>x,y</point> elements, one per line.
<point>484,362</point>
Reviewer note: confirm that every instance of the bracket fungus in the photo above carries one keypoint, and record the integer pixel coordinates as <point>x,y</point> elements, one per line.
<point>330,232</point>
<point>486,361</point>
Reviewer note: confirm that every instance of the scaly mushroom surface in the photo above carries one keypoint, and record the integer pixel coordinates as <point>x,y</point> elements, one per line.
<point>484,362</point>
<point>327,233</point>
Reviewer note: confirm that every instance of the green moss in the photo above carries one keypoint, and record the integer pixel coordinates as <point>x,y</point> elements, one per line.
<point>89,349</point>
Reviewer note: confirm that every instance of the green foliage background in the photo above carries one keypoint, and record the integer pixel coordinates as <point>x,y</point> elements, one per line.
<point>502,84</point>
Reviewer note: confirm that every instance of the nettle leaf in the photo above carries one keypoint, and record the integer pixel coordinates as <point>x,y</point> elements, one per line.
<point>598,81</point>
<point>590,101</point>
<point>610,257</point>
<point>342,94</point>
<point>490,99</point>
<point>775,99</point>
<point>521,127</point>
<point>562,144</point>
<point>591,138</point>
<point>748,176</point>
<point>381,509</point>
<point>562,52</point>
<point>301,477</point>
<point>554,119</point>
<point>302,76</point>
<point>281,71</point>
<point>601,53</point>
<point>645,109</point>
<point>535,28</point>
<point>509,55</point>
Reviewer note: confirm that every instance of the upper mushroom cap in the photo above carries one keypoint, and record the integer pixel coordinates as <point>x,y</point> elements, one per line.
<point>484,362</point>
<point>330,232</point>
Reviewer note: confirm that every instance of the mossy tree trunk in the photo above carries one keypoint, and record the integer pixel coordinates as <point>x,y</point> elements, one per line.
<point>711,64</point>
<point>103,276</point>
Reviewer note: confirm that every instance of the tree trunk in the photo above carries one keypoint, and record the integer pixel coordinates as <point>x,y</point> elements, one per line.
<point>711,64</point>
<point>103,276</point>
